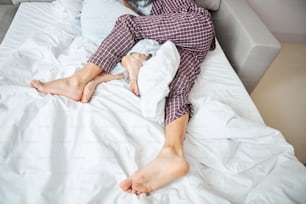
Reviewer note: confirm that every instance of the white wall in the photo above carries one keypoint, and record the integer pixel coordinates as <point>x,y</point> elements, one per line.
<point>285,18</point>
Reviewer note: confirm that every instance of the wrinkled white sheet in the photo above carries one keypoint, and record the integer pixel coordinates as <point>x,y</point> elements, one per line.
<point>55,150</point>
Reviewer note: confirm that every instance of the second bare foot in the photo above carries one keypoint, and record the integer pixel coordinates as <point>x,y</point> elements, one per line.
<point>165,168</point>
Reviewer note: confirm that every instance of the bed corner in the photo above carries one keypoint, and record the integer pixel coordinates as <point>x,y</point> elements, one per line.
<point>248,44</point>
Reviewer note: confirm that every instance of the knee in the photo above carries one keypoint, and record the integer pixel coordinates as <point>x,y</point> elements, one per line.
<point>124,19</point>
<point>125,22</point>
<point>177,106</point>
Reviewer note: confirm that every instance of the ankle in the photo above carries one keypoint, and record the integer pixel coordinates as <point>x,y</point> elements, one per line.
<point>173,149</point>
<point>177,155</point>
<point>74,81</point>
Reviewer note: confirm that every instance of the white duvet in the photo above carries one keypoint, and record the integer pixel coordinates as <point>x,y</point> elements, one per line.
<point>54,150</point>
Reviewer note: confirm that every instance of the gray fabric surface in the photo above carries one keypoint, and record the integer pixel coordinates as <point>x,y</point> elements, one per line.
<point>5,2</point>
<point>20,1</point>
<point>7,13</point>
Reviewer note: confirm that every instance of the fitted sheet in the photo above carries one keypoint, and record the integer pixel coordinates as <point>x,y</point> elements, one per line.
<point>56,150</point>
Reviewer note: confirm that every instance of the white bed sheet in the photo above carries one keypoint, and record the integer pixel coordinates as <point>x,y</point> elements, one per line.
<point>55,150</point>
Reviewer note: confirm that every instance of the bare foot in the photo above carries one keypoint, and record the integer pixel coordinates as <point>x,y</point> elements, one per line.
<point>133,63</point>
<point>165,168</point>
<point>65,87</point>
<point>91,86</point>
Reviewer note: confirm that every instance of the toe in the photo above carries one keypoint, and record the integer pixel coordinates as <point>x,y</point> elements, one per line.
<point>126,185</point>
<point>35,84</point>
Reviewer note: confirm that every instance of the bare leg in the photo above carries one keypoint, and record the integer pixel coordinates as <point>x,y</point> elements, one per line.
<point>133,63</point>
<point>91,86</point>
<point>71,87</point>
<point>169,165</point>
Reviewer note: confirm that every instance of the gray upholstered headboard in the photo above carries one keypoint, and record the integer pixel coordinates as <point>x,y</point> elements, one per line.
<point>248,44</point>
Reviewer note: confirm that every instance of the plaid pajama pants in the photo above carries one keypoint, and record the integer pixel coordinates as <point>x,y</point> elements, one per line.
<point>189,27</point>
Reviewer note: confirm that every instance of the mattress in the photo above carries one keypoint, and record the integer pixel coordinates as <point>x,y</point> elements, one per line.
<point>56,150</point>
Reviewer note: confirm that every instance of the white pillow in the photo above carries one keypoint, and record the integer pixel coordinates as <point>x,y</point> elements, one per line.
<point>74,7</point>
<point>99,16</point>
<point>154,79</point>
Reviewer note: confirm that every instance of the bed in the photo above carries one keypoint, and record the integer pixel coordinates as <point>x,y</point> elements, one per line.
<point>56,150</point>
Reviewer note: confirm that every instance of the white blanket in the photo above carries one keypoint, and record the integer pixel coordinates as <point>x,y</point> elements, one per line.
<point>55,150</point>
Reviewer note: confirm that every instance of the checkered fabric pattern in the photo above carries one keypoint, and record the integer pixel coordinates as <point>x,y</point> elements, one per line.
<point>181,21</point>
